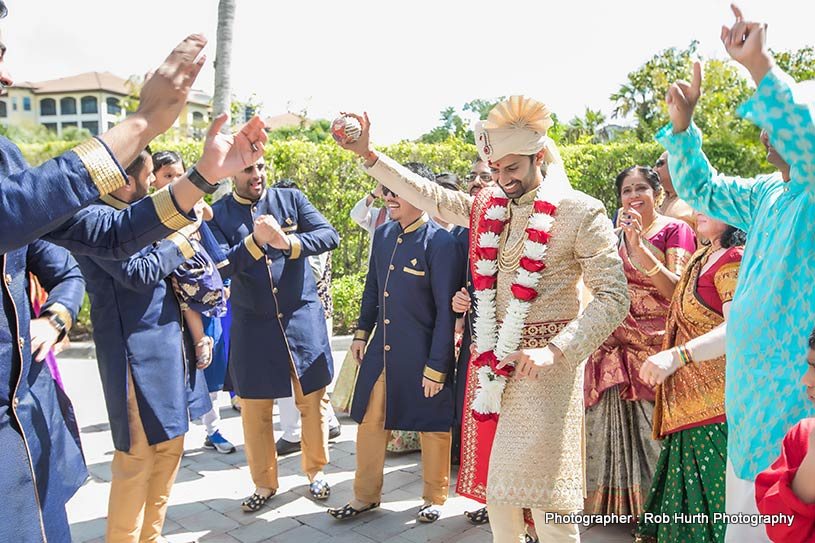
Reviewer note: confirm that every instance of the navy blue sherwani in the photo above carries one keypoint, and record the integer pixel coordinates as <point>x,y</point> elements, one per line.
<point>412,277</point>
<point>277,318</point>
<point>40,468</point>
<point>137,322</point>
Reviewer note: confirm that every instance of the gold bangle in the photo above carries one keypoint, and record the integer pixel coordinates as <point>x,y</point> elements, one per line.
<point>653,271</point>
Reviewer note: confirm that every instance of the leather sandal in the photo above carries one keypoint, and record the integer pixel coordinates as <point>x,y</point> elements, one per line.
<point>479,516</point>
<point>255,502</point>
<point>347,512</point>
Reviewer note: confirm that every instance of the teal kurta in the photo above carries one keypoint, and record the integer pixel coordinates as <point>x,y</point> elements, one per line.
<point>774,306</point>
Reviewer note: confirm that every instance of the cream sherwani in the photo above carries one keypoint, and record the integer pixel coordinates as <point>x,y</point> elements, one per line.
<point>537,455</point>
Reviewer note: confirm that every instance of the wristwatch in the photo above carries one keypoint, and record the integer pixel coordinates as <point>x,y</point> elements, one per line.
<point>59,325</point>
<point>200,182</point>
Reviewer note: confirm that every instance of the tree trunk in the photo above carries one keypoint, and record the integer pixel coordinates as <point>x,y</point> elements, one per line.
<point>222,97</point>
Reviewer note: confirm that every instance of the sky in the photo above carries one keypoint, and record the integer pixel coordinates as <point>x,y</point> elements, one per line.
<point>403,62</point>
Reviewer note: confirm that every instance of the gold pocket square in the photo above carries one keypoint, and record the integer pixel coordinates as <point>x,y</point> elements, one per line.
<point>418,273</point>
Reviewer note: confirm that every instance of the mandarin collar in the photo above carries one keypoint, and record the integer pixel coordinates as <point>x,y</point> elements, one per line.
<point>246,201</point>
<point>418,223</point>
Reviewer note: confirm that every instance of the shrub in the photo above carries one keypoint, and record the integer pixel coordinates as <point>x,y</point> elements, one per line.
<point>347,293</point>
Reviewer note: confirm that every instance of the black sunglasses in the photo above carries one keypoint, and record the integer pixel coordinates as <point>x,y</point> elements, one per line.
<point>659,163</point>
<point>387,192</point>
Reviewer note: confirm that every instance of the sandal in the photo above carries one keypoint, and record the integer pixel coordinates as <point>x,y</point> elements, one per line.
<point>347,512</point>
<point>529,539</point>
<point>479,516</point>
<point>319,489</point>
<point>255,502</point>
<point>429,513</point>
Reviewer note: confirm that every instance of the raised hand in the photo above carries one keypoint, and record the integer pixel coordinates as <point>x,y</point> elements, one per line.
<point>631,222</point>
<point>267,231</point>
<point>225,155</point>
<point>164,93</point>
<point>682,98</point>
<point>746,43</point>
<point>362,145</point>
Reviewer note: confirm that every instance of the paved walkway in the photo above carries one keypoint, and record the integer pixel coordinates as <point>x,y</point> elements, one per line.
<point>205,502</point>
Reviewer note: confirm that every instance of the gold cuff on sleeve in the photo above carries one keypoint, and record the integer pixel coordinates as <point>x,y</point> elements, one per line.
<point>167,212</point>
<point>102,167</point>
<point>182,243</point>
<point>253,248</point>
<point>296,247</point>
<point>362,335</point>
<point>62,312</point>
<point>435,376</point>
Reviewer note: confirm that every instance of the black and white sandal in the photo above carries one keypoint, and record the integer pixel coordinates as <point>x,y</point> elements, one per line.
<point>529,539</point>
<point>479,516</point>
<point>429,513</point>
<point>255,502</point>
<point>347,512</point>
<point>319,489</point>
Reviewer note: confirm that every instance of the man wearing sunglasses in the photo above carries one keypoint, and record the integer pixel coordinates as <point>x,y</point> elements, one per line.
<point>279,344</point>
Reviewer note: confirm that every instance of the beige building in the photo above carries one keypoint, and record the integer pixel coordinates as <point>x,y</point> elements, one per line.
<point>90,100</point>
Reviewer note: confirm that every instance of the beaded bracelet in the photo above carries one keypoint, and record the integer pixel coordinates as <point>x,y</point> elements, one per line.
<point>684,355</point>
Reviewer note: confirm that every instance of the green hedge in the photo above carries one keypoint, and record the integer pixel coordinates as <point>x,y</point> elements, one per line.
<point>334,181</point>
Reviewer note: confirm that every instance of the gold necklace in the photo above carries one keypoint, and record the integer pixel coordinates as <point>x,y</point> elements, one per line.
<point>509,256</point>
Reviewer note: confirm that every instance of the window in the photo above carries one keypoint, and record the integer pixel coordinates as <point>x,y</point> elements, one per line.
<point>111,125</point>
<point>52,127</point>
<point>197,117</point>
<point>14,103</point>
<point>113,106</point>
<point>91,126</point>
<point>48,107</point>
<point>89,104</point>
<point>67,124</point>
<point>3,110</point>
<point>26,103</point>
<point>67,106</point>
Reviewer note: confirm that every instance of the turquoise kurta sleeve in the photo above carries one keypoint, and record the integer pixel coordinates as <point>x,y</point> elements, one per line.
<point>729,199</point>
<point>779,107</point>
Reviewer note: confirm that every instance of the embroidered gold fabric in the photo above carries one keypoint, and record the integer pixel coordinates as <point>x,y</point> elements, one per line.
<point>101,166</point>
<point>695,393</point>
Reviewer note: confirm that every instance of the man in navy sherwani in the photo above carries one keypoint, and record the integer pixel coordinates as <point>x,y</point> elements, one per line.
<point>406,374</point>
<point>279,343</point>
<point>37,474</point>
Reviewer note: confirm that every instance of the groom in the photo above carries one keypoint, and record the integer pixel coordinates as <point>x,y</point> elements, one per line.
<point>533,238</point>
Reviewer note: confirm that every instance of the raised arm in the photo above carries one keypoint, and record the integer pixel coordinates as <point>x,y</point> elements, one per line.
<point>449,205</point>
<point>143,272</point>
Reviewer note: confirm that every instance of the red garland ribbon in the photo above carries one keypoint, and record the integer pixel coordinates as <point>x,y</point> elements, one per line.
<point>484,282</point>
<point>484,417</point>
<point>492,225</point>
<point>538,236</point>
<point>523,293</point>
<point>544,207</point>
<point>485,359</point>
<point>498,201</point>
<point>487,253</point>
<point>532,266</point>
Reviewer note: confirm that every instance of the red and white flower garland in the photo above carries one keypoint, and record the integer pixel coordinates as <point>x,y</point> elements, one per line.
<point>494,344</point>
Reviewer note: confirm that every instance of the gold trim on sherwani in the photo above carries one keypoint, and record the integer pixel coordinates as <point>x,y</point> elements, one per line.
<point>418,223</point>
<point>62,312</point>
<point>183,244</point>
<point>167,212</point>
<point>253,248</point>
<point>102,167</point>
<point>246,201</point>
<point>362,335</point>
<point>433,375</point>
<point>114,202</point>
<point>296,247</point>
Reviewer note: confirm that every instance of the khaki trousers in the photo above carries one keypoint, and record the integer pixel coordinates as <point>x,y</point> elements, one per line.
<point>141,482</point>
<point>258,431</point>
<point>507,525</point>
<point>372,440</point>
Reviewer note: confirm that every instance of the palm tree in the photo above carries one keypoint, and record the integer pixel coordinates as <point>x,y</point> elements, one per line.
<point>222,97</point>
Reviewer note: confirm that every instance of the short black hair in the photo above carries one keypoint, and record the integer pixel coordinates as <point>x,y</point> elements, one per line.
<point>138,163</point>
<point>285,183</point>
<point>421,169</point>
<point>650,175</point>
<point>448,180</point>
<point>733,237</point>
<point>812,339</point>
<point>165,158</point>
